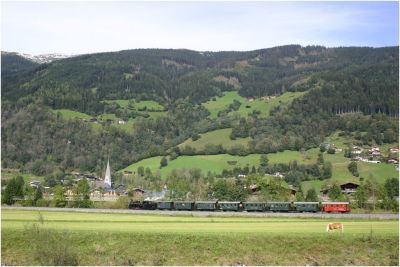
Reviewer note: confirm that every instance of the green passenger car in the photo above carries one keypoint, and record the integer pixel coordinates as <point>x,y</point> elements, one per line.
<point>230,206</point>
<point>254,206</point>
<point>184,205</point>
<point>165,205</point>
<point>307,206</point>
<point>206,205</point>
<point>279,206</point>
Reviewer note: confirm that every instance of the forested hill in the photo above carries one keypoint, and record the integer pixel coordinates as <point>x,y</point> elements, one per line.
<point>13,64</point>
<point>81,82</point>
<point>163,94</point>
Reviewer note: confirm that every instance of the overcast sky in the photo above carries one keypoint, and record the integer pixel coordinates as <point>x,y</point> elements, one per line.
<point>86,27</point>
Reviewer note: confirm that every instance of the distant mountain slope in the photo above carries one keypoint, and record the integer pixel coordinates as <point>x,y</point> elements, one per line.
<point>164,75</point>
<point>13,63</point>
<point>45,58</point>
<point>350,90</point>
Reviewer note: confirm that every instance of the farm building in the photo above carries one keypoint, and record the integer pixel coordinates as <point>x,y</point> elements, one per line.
<point>127,173</point>
<point>348,188</point>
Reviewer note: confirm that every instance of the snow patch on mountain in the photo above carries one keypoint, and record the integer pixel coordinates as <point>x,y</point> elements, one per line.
<point>45,58</point>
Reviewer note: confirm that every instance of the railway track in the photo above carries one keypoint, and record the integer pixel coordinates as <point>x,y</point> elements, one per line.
<point>380,216</point>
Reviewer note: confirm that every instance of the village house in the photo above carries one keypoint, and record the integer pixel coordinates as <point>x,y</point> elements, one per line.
<point>120,190</point>
<point>34,184</point>
<point>394,150</point>
<point>254,188</point>
<point>122,122</point>
<point>138,192</point>
<point>393,161</point>
<point>268,97</point>
<point>374,152</point>
<point>356,150</point>
<point>358,158</point>
<point>348,188</point>
<point>278,174</point>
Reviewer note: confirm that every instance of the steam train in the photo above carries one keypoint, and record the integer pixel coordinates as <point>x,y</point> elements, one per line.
<point>337,207</point>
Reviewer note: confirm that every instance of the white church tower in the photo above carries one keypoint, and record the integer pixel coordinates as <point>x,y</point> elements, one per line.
<point>107,177</point>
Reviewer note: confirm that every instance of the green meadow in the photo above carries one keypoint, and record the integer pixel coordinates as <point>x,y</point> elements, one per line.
<point>67,238</point>
<point>217,163</point>
<point>247,106</point>
<point>149,104</point>
<point>217,137</point>
<point>128,126</point>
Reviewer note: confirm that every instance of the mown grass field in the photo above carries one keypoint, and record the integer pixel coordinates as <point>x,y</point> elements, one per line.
<point>127,239</point>
<point>257,104</point>
<point>217,137</point>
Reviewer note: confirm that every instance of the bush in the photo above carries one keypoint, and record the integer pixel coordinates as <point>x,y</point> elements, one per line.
<point>120,203</point>
<point>42,203</point>
<point>58,203</point>
<point>27,203</point>
<point>85,203</point>
<point>331,150</point>
<point>195,136</point>
<point>163,162</point>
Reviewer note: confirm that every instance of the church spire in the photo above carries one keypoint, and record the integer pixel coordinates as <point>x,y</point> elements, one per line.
<point>107,178</point>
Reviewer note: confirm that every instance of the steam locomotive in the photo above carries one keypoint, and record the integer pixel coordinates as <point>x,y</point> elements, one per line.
<point>338,207</point>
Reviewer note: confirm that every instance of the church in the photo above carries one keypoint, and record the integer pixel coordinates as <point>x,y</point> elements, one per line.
<point>107,177</point>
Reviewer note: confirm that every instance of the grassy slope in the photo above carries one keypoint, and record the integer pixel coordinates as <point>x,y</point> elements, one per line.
<point>212,163</point>
<point>70,114</point>
<point>7,174</point>
<point>127,239</point>
<point>216,163</point>
<point>138,105</point>
<point>217,137</point>
<point>258,104</point>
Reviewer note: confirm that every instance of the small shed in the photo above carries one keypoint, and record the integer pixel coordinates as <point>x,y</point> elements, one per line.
<point>324,190</point>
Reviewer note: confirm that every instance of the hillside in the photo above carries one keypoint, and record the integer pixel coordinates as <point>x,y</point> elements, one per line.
<point>250,105</point>
<point>216,164</point>
<point>12,64</point>
<point>215,138</point>
<point>137,106</point>
<point>166,75</point>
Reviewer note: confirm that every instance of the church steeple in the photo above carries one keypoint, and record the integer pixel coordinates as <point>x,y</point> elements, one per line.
<point>107,178</point>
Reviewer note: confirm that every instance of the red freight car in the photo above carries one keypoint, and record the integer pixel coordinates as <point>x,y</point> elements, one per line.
<point>336,206</point>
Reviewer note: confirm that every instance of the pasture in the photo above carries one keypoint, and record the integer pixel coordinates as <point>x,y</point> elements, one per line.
<point>217,137</point>
<point>148,104</point>
<point>71,114</point>
<point>264,106</point>
<point>216,164</point>
<point>127,239</point>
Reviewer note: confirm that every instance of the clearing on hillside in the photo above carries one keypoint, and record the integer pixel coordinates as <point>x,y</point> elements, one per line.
<point>217,137</point>
<point>249,105</point>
